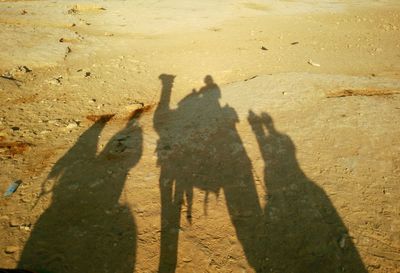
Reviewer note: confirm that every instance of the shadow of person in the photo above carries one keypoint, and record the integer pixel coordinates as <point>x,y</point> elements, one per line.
<point>199,147</point>
<point>85,228</point>
<point>303,232</point>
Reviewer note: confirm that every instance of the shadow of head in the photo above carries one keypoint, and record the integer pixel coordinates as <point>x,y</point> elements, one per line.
<point>208,80</point>
<point>167,79</point>
<point>263,119</point>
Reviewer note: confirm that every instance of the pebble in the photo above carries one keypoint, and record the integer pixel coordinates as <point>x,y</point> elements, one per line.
<point>24,69</point>
<point>342,242</point>
<point>11,249</point>
<point>54,81</point>
<point>15,223</point>
<point>26,228</point>
<point>72,125</point>
<point>108,212</point>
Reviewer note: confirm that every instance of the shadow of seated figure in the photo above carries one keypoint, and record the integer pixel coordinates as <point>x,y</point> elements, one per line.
<point>302,232</point>
<point>199,147</point>
<point>85,228</point>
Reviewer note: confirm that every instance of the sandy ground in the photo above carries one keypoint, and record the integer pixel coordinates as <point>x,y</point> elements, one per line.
<point>200,136</point>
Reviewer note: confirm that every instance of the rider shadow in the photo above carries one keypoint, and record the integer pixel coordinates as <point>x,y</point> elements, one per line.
<point>302,230</point>
<point>298,230</point>
<point>199,147</point>
<point>85,228</point>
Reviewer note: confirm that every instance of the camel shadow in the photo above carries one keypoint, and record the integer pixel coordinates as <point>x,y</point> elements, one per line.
<point>199,147</point>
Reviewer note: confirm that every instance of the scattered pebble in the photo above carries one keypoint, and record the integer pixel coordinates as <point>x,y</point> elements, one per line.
<point>26,228</point>
<point>72,125</point>
<point>108,212</point>
<point>67,51</point>
<point>15,222</point>
<point>55,81</point>
<point>264,48</point>
<point>342,242</point>
<point>24,69</point>
<point>84,8</point>
<point>11,249</point>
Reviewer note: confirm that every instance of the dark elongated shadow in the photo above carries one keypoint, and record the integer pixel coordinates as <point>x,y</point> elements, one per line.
<point>85,229</point>
<point>199,147</point>
<point>302,230</point>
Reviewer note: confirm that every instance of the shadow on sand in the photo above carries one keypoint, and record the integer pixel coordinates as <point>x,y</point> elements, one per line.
<point>298,231</point>
<point>302,232</point>
<point>200,147</point>
<point>86,229</point>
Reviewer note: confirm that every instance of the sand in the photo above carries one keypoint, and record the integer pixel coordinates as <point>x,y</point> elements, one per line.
<point>285,158</point>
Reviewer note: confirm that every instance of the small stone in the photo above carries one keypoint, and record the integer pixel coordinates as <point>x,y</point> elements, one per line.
<point>24,69</point>
<point>11,249</point>
<point>15,128</point>
<point>96,183</point>
<point>55,81</point>
<point>72,125</point>
<point>26,228</point>
<point>139,210</point>
<point>15,222</point>
<point>187,260</point>
<point>342,242</point>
